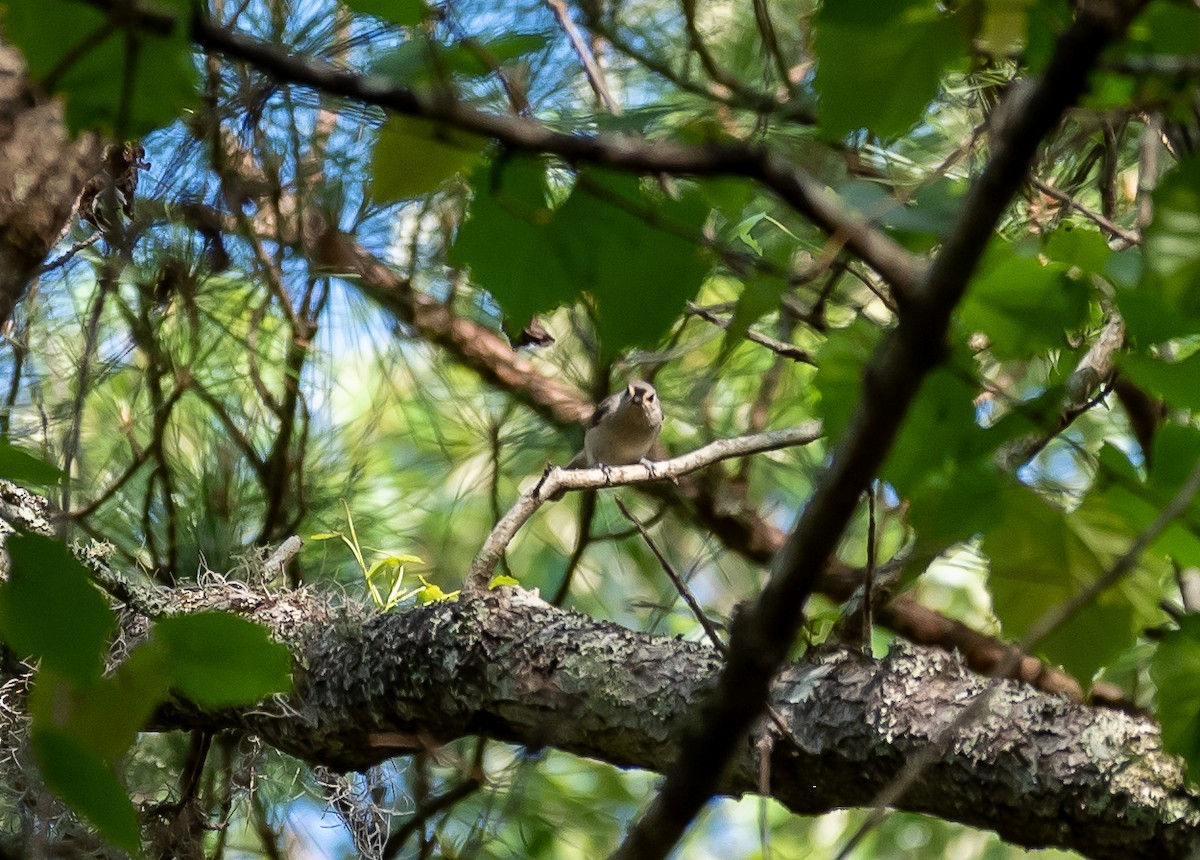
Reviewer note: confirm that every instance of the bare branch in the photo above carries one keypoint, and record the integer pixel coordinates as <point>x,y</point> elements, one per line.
<point>282,556</point>
<point>676,580</point>
<point>557,479</point>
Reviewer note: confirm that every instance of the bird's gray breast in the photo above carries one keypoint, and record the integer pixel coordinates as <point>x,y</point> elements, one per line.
<point>621,439</point>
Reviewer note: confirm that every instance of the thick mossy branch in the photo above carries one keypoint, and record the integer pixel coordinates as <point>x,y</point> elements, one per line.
<point>1040,770</point>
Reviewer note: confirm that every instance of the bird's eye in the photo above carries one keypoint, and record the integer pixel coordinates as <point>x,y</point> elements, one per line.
<point>650,395</point>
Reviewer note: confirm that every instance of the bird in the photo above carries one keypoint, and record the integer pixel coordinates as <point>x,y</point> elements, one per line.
<point>622,430</point>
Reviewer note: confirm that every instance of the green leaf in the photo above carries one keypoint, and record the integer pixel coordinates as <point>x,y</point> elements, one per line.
<point>1047,20</point>
<point>1094,636</point>
<point>106,715</point>
<point>1041,556</point>
<point>501,580</point>
<point>375,567</point>
<point>742,231</point>
<point>841,362</point>
<point>1125,269</point>
<point>421,60</point>
<point>937,433</point>
<point>728,195</point>
<point>510,46</point>
<point>390,569</point>
<point>416,156</point>
<point>1172,248</point>
<point>625,248</point>
<point>1149,318</point>
<point>507,245</point>
<point>1164,28</point>
<point>1078,246</point>
<point>1139,502</point>
<point>406,13</point>
<point>22,468</point>
<point>1166,303</point>
<point>927,218</point>
<point>1023,307</point>
<point>429,593</point>
<point>50,610</point>
<point>219,660</point>
<point>398,558</point>
<point>88,785</point>
<point>417,60</point>
<point>1175,382</point>
<point>954,504</point>
<point>880,63</point>
<point>1004,26</point>
<point>760,296</point>
<point>1176,450</point>
<point>1175,670</point>
<point>640,257</point>
<point>1175,453</point>
<point>920,222</point>
<point>159,66</point>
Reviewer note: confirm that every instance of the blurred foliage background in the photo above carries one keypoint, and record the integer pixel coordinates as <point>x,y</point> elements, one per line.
<point>220,371</point>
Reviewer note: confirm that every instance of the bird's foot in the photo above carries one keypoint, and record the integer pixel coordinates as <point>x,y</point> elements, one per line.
<point>652,468</point>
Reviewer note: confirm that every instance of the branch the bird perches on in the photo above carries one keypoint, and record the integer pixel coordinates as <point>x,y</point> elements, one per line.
<point>557,478</point>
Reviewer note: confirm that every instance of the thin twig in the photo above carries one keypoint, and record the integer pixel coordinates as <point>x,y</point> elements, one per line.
<point>107,278</point>
<point>711,631</point>
<point>766,29</point>
<point>591,68</point>
<point>427,810</point>
<point>1094,369</point>
<point>807,194</point>
<point>676,579</point>
<point>1106,223</point>
<point>786,350</point>
<point>740,96</point>
<point>697,44</point>
<point>766,746</point>
<point>67,255</point>
<point>869,574</point>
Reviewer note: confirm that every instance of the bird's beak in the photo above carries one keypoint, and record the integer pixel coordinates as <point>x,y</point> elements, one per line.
<point>633,395</point>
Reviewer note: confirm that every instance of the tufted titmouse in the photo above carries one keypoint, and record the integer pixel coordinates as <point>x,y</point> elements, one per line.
<point>622,430</point>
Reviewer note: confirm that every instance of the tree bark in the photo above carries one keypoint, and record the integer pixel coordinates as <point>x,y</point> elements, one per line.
<point>1038,769</point>
<point>44,171</point>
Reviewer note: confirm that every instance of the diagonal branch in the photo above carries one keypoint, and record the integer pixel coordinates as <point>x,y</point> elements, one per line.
<point>761,637</point>
<point>1108,225</point>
